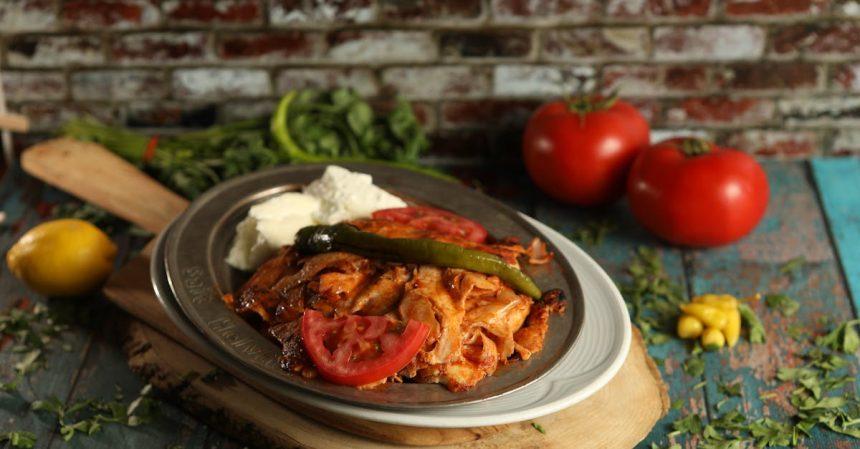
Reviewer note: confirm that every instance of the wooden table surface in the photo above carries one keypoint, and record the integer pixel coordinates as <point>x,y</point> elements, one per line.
<point>814,213</point>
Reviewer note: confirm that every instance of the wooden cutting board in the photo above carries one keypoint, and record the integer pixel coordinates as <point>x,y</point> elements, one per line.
<point>618,416</point>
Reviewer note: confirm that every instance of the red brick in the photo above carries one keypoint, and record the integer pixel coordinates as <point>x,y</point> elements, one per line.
<point>519,80</point>
<point>634,80</point>
<point>27,15</point>
<point>679,8</point>
<point>846,142</point>
<point>709,42</point>
<point>783,144</point>
<point>768,76</point>
<point>221,83</point>
<point>430,10</point>
<point>437,82</point>
<point>847,77</point>
<point>169,114</point>
<point>50,116</point>
<point>812,40</point>
<point>296,12</point>
<point>649,108</point>
<point>47,51</point>
<point>651,80</point>
<point>850,8</point>
<point>486,113</point>
<point>720,111</point>
<point>24,86</point>
<point>381,46</point>
<point>363,81</point>
<point>486,44</point>
<point>774,7</point>
<point>161,48</point>
<point>543,11</point>
<point>686,78</point>
<point>272,46</point>
<point>118,85</point>
<point>659,134</point>
<point>205,12</point>
<point>658,8</point>
<point>575,44</point>
<point>119,14</point>
<point>820,111</point>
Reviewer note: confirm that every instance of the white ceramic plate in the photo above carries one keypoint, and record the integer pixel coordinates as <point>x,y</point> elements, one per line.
<point>598,354</point>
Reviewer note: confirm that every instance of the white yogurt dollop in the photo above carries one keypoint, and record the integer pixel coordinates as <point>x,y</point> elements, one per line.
<point>339,195</point>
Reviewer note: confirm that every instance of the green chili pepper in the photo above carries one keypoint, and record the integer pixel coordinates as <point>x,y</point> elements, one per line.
<point>347,238</point>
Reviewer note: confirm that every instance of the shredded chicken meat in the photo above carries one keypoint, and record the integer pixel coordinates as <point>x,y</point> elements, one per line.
<point>477,322</point>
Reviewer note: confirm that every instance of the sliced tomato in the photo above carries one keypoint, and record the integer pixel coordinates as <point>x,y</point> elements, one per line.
<point>357,350</point>
<point>437,220</point>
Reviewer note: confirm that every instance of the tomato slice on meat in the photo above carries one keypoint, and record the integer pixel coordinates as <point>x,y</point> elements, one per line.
<point>437,220</point>
<point>357,350</point>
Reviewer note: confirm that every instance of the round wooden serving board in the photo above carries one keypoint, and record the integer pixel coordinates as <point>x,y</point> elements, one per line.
<point>618,416</point>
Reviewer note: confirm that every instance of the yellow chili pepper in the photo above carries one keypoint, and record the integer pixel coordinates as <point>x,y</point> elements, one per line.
<point>709,315</point>
<point>732,330</point>
<point>689,327</point>
<point>724,302</point>
<point>713,339</point>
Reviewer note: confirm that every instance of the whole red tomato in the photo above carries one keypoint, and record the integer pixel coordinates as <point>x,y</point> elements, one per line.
<point>692,192</point>
<point>579,151</point>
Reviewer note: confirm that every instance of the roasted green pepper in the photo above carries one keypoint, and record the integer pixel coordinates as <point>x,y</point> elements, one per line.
<point>347,238</point>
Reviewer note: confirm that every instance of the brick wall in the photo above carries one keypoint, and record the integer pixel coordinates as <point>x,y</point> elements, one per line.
<point>780,78</point>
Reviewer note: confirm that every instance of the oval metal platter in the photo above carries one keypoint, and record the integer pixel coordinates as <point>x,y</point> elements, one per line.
<point>197,244</point>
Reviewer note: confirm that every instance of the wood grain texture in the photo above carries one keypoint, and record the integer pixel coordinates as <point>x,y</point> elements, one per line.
<point>130,289</point>
<point>838,182</point>
<point>92,173</point>
<point>614,255</point>
<point>793,227</point>
<point>14,122</point>
<point>89,363</point>
<point>253,417</point>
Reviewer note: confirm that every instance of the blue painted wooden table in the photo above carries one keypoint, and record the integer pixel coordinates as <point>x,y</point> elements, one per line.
<point>814,213</point>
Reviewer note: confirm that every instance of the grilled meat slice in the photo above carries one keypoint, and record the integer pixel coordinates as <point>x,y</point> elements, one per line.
<point>477,322</point>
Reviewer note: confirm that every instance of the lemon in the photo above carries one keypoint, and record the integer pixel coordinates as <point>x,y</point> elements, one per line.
<point>65,257</point>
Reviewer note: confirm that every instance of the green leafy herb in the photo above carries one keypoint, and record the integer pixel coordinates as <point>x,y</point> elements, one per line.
<point>88,416</point>
<point>325,126</point>
<point>768,432</point>
<point>339,123</point>
<point>694,366</point>
<point>790,267</point>
<point>690,424</point>
<point>32,330</point>
<point>593,232</point>
<point>844,338</point>
<point>539,428</point>
<point>783,303</point>
<point>756,329</point>
<point>652,297</point>
<point>729,391</point>
<point>18,439</point>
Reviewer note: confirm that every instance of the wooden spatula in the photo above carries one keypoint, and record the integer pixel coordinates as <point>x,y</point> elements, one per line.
<point>14,122</point>
<point>91,172</point>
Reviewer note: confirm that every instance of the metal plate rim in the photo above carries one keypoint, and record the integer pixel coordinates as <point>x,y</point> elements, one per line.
<point>172,238</point>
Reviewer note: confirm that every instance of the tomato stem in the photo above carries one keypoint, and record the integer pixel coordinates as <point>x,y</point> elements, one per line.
<point>584,103</point>
<point>693,146</point>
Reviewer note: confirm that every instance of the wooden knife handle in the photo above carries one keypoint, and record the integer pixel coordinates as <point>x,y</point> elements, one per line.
<point>14,122</point>
<point>91,172</point>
